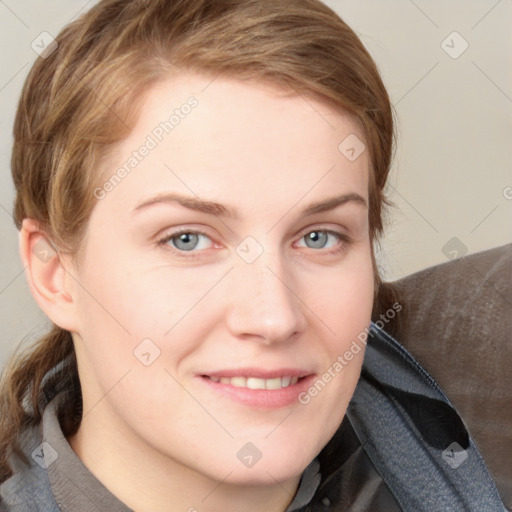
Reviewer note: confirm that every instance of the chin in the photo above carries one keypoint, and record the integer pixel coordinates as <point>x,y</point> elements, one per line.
<point>279,462</point>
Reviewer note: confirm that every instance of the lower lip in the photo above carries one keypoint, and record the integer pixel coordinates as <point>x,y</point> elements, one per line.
<point>262,398</point>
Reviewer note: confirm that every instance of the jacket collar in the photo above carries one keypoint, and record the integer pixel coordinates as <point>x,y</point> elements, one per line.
<point>402,445</point>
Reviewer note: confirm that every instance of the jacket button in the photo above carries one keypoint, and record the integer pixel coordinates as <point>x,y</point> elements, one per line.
<point>326,502</point>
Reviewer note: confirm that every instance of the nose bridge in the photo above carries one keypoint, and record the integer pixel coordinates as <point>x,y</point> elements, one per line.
<point>263,302</point>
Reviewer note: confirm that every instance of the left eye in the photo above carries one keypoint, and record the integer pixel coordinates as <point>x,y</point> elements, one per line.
<point>318,239</point>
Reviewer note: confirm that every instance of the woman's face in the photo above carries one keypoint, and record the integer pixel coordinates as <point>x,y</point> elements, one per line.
<point>232,254</point>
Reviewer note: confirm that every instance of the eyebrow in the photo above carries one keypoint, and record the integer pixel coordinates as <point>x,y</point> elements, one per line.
<point>220,210</point>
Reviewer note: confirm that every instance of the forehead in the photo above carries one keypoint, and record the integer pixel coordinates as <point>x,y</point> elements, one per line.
<point>220,137</point>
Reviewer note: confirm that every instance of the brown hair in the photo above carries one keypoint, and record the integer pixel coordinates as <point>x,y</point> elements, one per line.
<point>81,100</point>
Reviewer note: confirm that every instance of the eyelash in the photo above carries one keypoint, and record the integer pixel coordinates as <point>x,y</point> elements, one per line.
<point>344,242</point>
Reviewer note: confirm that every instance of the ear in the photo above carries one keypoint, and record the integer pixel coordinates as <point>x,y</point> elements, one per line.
<point>47,277</point>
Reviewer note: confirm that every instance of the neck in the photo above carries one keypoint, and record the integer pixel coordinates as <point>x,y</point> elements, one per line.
<point>146,480</point>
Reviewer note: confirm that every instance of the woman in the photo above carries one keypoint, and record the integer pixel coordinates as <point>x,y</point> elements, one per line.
<point>199,191</point>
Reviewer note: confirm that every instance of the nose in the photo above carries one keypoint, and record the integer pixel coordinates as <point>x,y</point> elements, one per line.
<point>264,304</point>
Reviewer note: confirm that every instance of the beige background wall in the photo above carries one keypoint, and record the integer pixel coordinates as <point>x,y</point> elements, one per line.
<point>452,175</point>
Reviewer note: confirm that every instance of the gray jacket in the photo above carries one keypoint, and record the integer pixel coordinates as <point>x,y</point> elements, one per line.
<point>401,447</point>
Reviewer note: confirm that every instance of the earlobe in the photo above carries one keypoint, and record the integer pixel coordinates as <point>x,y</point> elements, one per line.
<point>47,276</point>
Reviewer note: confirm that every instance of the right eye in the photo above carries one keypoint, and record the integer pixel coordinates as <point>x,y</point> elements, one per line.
<point>186,241</point>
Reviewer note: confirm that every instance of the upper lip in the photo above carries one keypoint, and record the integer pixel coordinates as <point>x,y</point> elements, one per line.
<point>260,373</point>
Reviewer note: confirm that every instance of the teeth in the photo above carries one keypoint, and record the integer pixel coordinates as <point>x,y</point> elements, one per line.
<point>254,383</point>
<point>238,382</point>
<point>285,381</point>
<point>257,383</point>
<point>273,383</point>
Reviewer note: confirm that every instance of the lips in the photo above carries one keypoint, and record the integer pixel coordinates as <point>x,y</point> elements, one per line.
<point>255,387</point>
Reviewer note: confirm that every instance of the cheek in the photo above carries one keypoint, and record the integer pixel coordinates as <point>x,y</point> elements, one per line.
<point>344,297</point>
<point>122,303</point>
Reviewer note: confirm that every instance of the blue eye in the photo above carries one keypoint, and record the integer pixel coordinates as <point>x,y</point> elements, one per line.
<point>187,241</point>
<point>318,239</point>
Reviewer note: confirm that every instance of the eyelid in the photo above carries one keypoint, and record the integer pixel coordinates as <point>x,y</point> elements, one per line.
<point>321,227</point>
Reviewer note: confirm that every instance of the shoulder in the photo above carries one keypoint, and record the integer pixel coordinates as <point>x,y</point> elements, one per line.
<point>28,489</point>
